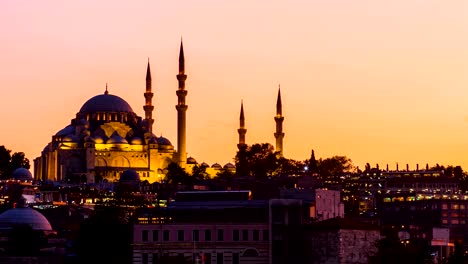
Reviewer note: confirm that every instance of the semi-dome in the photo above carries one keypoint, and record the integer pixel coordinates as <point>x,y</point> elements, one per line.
<point>164,141</point>
<point>22,174</point>
<point>66,131</point>
<point>116,139</point>
<point>71,138</point>
<point>24,215</point>
<point>106,103</point>
<point>129,176</point>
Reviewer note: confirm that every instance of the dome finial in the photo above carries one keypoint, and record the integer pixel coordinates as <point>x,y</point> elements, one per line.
<point>106,92</point>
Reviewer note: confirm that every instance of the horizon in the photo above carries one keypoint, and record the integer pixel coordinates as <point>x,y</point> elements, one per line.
<point>379,83</point>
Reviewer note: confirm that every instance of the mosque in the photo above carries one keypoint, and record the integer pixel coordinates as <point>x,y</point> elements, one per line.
<point>107,137</point>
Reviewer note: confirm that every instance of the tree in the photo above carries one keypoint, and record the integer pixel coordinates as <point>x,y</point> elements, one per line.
<point>258,160</point>
<point>335,165</point>
<point>18,160</point>
<point>5,159</point>
<point>8,162</point>
<point>177,175</point>
<point>199,173</point>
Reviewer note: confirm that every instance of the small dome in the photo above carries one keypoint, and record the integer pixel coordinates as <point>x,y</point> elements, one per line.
<point>216,166</point>
<point>191,160</point>
<point>204,164</point>
<point>66,131</point>
<point>24,215</point>
<point>22,174</point>
<point>106,103</point>
<point>164,141</point>
<point>229,166</point>
<point>116,139</point>
<point>129,176</point>
<point>98,140</point>
<point>136,141</point>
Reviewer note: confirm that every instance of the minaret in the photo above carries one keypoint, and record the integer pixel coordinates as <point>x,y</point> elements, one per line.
<point>181,109</point>
<point>148,107</point>
<point>241,129</point>
<point>279,135</point>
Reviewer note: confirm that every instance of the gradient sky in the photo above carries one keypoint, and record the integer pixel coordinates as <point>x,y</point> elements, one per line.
<point>378,81</point>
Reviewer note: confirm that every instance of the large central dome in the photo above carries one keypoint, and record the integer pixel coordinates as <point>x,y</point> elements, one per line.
<point>106,103</point>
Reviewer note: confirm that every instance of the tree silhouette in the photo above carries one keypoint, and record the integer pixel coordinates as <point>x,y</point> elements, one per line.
<point>5,159</point>
<point>258,160</point>
<point>8,162</point>
<point>18,160</point>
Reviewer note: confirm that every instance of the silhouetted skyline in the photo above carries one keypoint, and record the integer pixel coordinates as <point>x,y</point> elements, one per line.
<point>377,82</point>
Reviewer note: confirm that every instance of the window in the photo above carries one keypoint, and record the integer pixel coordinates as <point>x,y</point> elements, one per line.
<point>256,235</point>
<point>219,258</point>
<point>155,258</point>
<point>166,235</point>
<point>206,258</point>
<point>245,235</point>
<point>235,235</point>
<point>180,235</point>
<point>235,258</point>
<point>207,235</point>
<point>196,235</point>
<point>265,235</point>
<point>144,235</point>
<point>220,235</point>
<point>155,235</point>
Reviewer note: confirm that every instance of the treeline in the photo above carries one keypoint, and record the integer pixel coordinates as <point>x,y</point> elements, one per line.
<point>10,162</point>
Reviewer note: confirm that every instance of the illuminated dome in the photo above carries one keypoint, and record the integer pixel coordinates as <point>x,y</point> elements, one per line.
<point>24,215</point>
<point>22,174</point>
<point>106,103</point>
<point>136,141</point>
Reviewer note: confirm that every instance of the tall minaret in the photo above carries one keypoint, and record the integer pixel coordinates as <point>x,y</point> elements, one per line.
<point>148,107</point>
<point>181,109</point>
<point>279,135</point>
<point>241,129</point>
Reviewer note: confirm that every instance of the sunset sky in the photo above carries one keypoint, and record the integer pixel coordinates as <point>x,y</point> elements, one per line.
<point>378,81</point>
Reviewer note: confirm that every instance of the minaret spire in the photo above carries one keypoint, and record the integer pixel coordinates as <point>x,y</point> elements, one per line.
<point>148,107</point>
<point>106,92</point>
<point>279,135</point>
<point>241,129</point>
<point>181,110</point>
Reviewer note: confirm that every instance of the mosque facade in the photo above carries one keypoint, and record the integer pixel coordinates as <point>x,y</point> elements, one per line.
<point>107,138</point>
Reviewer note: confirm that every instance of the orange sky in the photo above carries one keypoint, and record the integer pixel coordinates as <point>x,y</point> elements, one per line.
<point>377,81</point>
